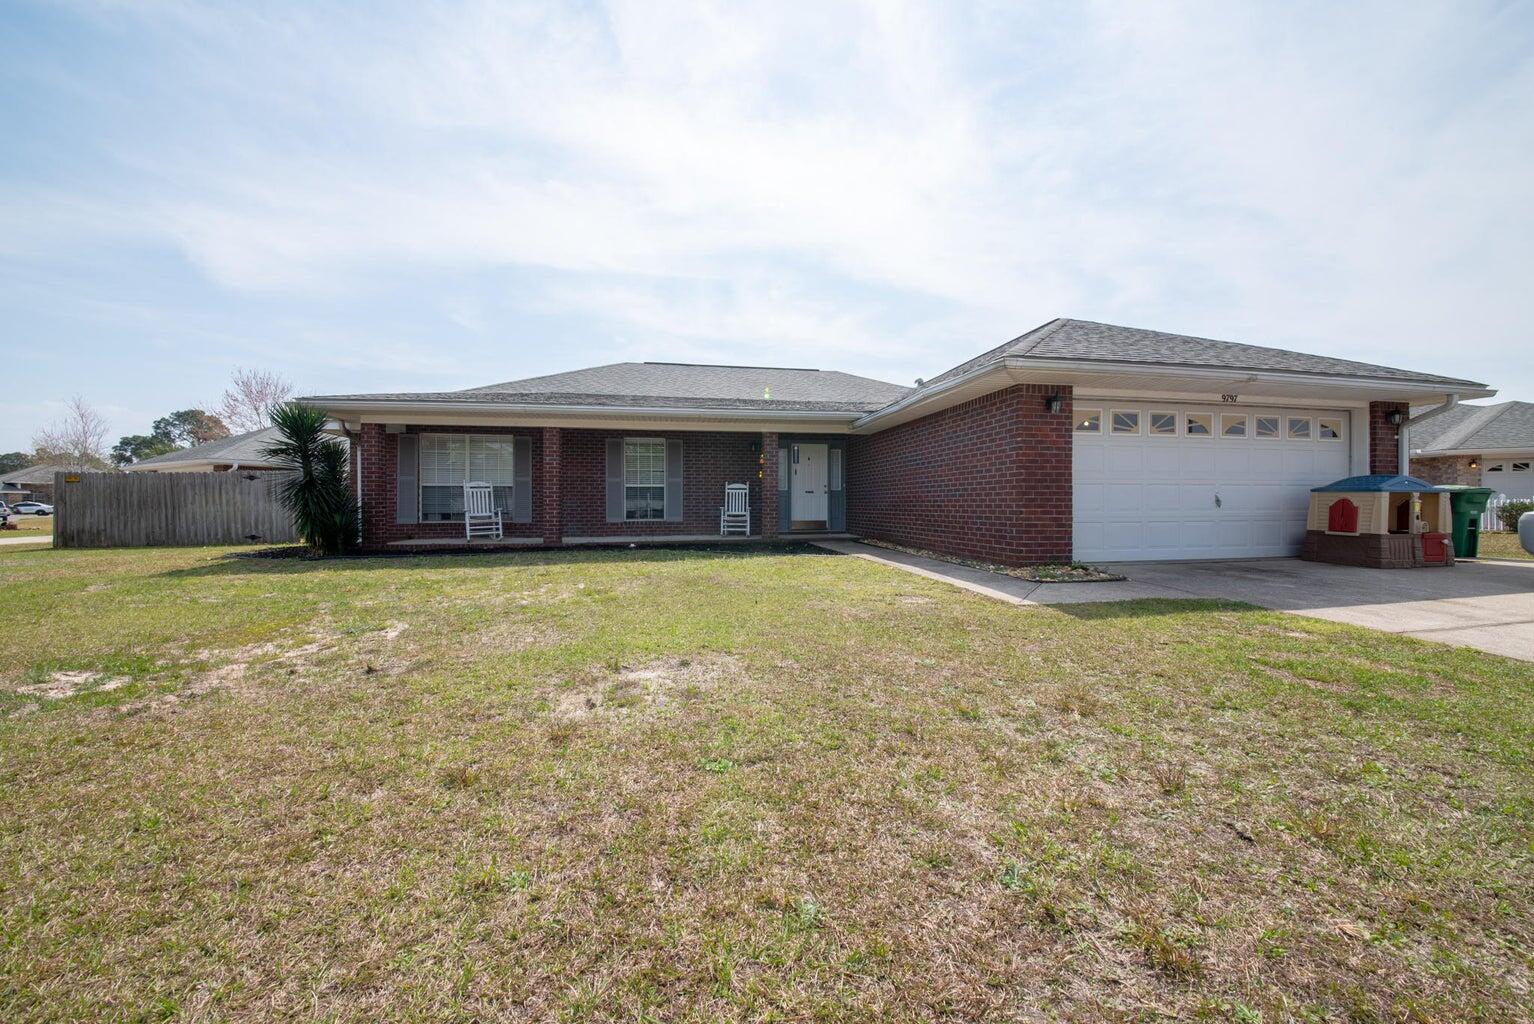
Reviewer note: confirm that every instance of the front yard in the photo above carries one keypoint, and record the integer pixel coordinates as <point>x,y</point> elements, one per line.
<point>669,786</point>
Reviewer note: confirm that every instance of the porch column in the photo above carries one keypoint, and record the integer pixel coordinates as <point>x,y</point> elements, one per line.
<point>550,504</point>
<point>374,484</point>
<point>769,481</point>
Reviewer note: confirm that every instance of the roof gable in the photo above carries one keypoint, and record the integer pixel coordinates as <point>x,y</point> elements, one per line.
<point>41,474</point>
<point>241,448</point>
<point>1092,341</point>
<point>1477,427</point>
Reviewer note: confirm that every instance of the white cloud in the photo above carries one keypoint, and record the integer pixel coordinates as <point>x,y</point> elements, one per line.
<point>885,187</point>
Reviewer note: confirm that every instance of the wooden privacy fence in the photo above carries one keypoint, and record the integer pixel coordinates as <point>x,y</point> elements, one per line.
<point>103,510</point>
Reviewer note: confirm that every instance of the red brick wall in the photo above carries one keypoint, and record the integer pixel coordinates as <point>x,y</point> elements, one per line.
<point>769,484</point>
<point>709,461</point>
<point>1447,469</point>
<point>379,452</point>
<point>548,486</point>
<point>988,479</point>
<point>578,506</point>
<point>1384,455</point>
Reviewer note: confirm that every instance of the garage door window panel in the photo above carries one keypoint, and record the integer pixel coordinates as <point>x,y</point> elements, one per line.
<point>1232,425</point>
<point>1126,421</point>
<point>1299,428</point>
<point>1163,424</point>
<point>1329,429</point>
<point>1199,424</point>
<point>1266,427</point>
<point>1089,421</point>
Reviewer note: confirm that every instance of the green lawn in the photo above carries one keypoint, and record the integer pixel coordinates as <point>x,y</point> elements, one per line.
<point>30,525</point>
<point>1502,545</point>
<point>667,786</point>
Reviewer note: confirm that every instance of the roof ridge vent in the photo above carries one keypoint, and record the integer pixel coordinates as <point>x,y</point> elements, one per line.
<point>734,366</point>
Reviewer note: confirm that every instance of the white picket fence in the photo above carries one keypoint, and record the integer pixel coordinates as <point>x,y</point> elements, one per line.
<point>1491,522</point>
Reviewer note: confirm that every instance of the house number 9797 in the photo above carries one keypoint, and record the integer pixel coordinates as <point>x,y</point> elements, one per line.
<point>1230,398</point>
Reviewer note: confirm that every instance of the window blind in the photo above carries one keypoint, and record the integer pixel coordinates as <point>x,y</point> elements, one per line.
<point>448,461</point>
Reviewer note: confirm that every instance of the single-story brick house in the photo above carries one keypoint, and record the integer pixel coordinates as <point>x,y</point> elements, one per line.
<point>1076,440</point>
<point>1480,445</point>
<point>238,451</point>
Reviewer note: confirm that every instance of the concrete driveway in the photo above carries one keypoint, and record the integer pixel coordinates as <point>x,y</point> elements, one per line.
<point>1486,605</point>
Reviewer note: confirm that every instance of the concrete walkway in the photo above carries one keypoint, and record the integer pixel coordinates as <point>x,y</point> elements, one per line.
<point>46,538</point>
<point>1485,605</point>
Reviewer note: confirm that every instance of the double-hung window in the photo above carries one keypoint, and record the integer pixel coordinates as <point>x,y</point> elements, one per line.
<point>644,479</point>
<point>448,461</point>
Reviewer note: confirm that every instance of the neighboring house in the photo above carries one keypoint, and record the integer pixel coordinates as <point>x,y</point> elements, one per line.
<point>242,451</point>
<point>33,483</point>
<point>1481,445</point>
<point>1077,440</point>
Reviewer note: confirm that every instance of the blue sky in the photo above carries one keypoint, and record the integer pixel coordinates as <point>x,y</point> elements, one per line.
<point>381,197</point>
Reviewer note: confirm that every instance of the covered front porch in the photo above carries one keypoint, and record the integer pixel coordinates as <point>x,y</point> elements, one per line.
<point>585,486</point>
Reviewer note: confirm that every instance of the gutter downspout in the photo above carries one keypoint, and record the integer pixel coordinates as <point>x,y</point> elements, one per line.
<point>359,485</point>
<point>1403,435</point>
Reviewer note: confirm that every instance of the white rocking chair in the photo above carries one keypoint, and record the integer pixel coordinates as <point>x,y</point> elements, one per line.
<point>735,513</point>
<point>481,515</point>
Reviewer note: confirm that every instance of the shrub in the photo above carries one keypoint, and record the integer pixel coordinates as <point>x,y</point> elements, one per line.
<point>1510,512</point>
<point>315,494</point>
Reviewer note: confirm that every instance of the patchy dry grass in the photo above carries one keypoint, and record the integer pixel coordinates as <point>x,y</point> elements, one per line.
<point>1502,545</point>
<point>664,786</point>
<point>27,526</point>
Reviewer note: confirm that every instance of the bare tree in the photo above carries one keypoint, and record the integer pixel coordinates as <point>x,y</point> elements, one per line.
<point>78,439</point>
<point>247,403</point>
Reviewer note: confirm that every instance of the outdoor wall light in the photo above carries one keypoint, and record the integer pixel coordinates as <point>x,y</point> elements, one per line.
<point>1054,403</point>
<point>1396,418</point>
<point>1475,463</point>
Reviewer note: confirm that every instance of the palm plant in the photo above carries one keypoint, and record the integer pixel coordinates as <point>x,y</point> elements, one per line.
<point>314,493</point>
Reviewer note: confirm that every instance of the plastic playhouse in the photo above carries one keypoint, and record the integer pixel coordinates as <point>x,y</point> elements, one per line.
<point>1386,522</point>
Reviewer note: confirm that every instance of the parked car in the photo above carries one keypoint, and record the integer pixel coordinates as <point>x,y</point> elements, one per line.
<point>32,508</point>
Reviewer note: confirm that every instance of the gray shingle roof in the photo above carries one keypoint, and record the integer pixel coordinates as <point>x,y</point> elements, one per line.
<point>674,385</point>
<point>743,388</point>
<point>1477,428</point>
<point>1087,340</point>
<point>31,476</point>
<point>242,448</point>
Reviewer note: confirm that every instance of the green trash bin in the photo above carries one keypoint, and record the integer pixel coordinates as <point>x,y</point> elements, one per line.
<point>1467,504</point>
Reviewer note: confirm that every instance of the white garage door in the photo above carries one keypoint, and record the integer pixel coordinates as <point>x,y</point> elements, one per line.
<point>1159,481</point>
<point>1512,477</point>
